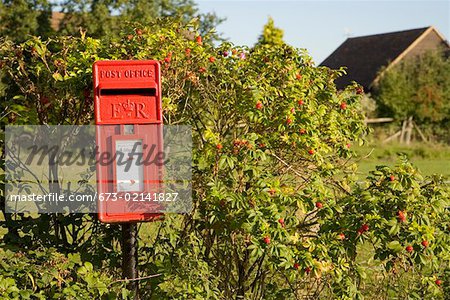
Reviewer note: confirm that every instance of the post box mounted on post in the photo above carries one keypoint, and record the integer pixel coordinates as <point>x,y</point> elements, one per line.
<point>128,116</point>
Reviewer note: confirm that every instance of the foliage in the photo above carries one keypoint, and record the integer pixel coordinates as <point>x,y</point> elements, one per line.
<point>20,19</point>
<point>417,87</point>
<point>47,274</point>
<point>369,106</point>
<point>278,212</point>
<point>271,35</point>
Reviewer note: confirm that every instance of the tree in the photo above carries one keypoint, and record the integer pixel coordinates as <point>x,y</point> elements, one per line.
<point>271,35</point>
<point>20,19</point>
<point>417,87</point>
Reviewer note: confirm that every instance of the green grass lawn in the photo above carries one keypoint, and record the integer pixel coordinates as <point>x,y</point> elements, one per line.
<point>429,158</point>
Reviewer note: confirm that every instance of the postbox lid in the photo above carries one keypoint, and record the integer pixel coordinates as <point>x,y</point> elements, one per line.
<point>127,92</point>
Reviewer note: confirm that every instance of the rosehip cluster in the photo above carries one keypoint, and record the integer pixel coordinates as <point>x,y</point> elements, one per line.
<point>363,229</point>
<point>239,144</point>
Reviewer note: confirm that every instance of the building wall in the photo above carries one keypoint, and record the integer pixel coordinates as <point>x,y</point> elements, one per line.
<point>430,41</point>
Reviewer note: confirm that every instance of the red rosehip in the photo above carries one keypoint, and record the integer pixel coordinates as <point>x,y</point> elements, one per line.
<point>281,221</point>
<point>296,266</point>
<point>129,37</point>
<point>307,270</point>
<point>409,248</point>
<point>212,59</point>
<point>300,102</point>
<point>187,51</point>
<point>266,240</point>
<point>288,121</point>
<point>225,53</point>
<point>319,205</point>
<point>348,145</point>
<point>219,146</point>
<point>167,59</point>
<point>44,101</point>
<point>262,145</point>
<point>359,90</point>
<point>401,216</point>
<point>363,229</point>
<point>438,282</point>
<point>341,236</point>
<point>343,105</point>
<point>391,178</point>
<point>311,151</point>
<point>298,76</point>
<point>202,70</point>
<point>302,131</point>
<point>199,40</point>
<point>259,105</point>
<point>425,243</point>
<point>138,31</point>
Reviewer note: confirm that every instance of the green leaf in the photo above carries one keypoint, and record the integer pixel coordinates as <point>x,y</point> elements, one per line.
<point>57,76</point>
<point>395,246</point>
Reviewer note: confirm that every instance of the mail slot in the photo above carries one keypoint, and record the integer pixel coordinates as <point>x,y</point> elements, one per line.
<point>129,139</point>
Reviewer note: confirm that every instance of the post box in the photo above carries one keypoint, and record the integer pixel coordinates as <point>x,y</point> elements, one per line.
<point>128,116</point>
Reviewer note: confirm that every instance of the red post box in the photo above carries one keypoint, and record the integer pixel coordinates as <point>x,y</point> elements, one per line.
<point>129,131</point>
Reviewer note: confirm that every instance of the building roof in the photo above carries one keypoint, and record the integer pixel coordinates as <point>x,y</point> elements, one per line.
<point>364,56</point>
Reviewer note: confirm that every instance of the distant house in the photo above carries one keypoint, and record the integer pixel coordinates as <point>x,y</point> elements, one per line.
<point>56,19</point>
<point>365,56</point>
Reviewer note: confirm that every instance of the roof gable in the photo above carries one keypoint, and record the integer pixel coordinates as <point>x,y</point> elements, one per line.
<point>364,56</point>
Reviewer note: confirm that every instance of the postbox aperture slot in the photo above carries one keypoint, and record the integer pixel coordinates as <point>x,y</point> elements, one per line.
<point>118,92</point>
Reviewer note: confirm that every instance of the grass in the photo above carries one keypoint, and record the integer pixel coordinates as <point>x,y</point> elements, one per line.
<point>429,158</point>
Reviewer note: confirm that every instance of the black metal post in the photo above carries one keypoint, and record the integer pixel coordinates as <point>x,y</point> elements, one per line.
<point>130,256</point>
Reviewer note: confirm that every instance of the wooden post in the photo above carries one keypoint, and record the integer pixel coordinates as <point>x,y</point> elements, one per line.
<point>402,134</point>
<point>409,129</point>
<point>422,136</point>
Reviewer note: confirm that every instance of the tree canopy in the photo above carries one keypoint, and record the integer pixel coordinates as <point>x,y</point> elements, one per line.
<point>20,19</point>
<point>271,35</point>
<point>417,87</point>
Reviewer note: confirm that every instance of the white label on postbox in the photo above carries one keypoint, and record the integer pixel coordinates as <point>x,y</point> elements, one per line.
<point>129,174</point>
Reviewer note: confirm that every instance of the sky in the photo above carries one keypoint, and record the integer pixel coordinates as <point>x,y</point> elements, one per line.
<point>321,26</point>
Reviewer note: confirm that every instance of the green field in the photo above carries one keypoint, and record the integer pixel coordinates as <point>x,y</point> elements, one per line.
<point>428,158</point>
